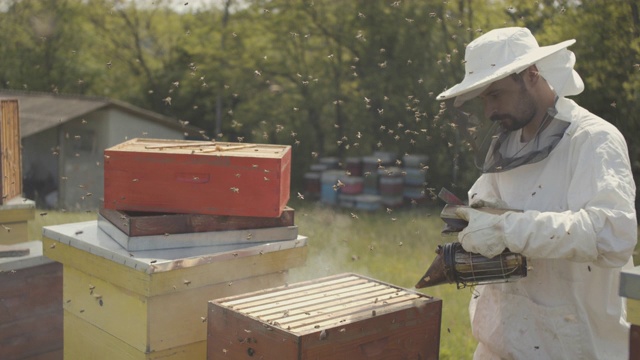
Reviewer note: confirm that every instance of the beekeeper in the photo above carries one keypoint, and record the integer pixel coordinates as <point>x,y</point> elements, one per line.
<point>569,171</point>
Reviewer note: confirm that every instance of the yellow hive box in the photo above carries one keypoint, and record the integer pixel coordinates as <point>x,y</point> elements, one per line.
<point>90,342</point>
<point>146,303</point>
<point>633,311</point>
<point>14,216</point>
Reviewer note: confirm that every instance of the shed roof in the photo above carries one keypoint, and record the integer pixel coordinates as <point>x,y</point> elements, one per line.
<point>42,111</point>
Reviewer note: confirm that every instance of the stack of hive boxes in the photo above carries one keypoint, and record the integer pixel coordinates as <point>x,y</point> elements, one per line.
<point>351,182</point>
<point>371,167</point>
<point>368,182</point>
<point>415,176</point>
<point>30,284</point>
<point>183,222</point>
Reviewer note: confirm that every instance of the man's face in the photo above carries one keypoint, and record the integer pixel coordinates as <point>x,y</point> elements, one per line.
<point>508,101</point>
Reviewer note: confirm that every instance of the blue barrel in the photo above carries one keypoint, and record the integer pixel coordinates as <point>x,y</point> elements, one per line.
<point>328,181</point>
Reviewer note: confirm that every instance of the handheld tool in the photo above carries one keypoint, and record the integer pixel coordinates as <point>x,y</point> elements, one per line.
<point>453,264</point>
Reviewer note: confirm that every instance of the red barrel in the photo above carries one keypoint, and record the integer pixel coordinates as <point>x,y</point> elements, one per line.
<point>352,185</point>
<point>354,166</point>
<point>390,182</point>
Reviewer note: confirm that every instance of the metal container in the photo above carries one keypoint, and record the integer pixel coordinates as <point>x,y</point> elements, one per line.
<point>455,265</point>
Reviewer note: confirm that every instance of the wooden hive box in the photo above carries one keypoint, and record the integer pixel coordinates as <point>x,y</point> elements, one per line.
<point>151,223</point>
<point>14,217</point>
<point>151,231</point>
<point>151,304</point>
<point>200,177</point>
<point>31,305</point>
<point>346,316</point>
<point>10,151</point>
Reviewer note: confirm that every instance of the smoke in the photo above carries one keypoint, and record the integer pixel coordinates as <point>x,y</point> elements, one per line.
<point>328,250</point>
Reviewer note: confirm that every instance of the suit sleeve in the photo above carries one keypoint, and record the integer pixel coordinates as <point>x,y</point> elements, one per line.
<point>600,225</point>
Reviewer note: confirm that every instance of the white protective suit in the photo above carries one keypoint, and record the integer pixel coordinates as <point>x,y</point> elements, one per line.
<point>577,231</point>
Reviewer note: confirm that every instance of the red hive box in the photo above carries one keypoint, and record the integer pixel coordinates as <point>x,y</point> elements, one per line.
<point>345,316</point>
<point>201,177</point>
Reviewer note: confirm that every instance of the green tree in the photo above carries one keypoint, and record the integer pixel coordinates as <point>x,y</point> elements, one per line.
<point>331,78</point>
<point>41,45</point>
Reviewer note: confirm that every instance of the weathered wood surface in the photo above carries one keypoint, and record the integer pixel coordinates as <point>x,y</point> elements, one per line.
<point>10,151</point>
<point>31,311</point>
<point>238,180</point>
<point>135,223</point>
<point>199,239</point>
<point>341,317</point>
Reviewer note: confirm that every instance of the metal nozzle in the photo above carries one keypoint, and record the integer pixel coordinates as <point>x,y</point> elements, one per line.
<point>436,273</point>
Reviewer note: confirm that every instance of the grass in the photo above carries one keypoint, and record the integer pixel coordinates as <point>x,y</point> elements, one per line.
<point>395,247</point>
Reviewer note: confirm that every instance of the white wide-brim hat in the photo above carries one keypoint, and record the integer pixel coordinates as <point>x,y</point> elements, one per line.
<point>502,52</point>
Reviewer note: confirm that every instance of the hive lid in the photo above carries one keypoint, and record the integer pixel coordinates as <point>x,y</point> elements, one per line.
<point>630,283</point>
<point>334,301</point>
<point>88,236</point>
<point>18,202</point>
<point>33,258</point>
<point>201,148</point>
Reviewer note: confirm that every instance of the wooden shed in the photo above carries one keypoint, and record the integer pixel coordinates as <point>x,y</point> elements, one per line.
<point>63,139</point>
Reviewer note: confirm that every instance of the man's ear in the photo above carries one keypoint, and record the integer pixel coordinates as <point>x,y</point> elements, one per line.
<point>532,74</point>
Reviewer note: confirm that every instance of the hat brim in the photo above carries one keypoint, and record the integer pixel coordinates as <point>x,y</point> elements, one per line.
<point>475,83</point>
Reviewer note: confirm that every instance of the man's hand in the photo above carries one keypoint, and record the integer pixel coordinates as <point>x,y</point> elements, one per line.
<point>484,235</point>
<point>489,203</point>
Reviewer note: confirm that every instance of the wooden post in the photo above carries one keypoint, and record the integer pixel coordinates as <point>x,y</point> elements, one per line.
<point>11,162</point>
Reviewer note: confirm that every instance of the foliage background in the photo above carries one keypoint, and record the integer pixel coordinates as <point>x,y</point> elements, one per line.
<point>332,78</point>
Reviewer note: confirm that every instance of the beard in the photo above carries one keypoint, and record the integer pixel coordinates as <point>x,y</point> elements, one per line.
<point>525,112</point>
